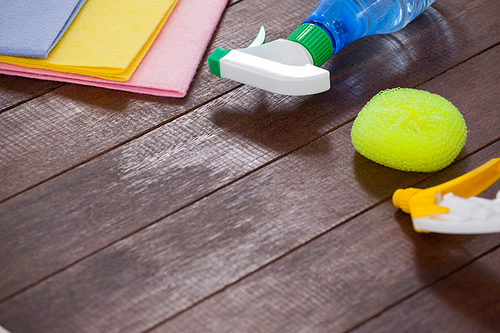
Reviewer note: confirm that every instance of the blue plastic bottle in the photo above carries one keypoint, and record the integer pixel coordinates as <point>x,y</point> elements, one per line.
<point>335,23</point>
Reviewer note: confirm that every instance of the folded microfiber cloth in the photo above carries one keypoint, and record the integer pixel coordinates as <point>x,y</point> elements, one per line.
<point>31,28</point>
<point>107,39</point>
<point>171,63</point>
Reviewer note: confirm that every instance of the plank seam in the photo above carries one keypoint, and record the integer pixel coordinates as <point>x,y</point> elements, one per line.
<point>458,64</point>
<point>31,98</point>
<point>430,285</point>
<point>234,3</point>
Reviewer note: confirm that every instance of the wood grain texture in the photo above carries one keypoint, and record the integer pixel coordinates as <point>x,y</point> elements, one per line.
<point>73,124</point>
<point>350,274</point>
<point>467,301</point>
<point>16,90</point>
<point>150,276</point>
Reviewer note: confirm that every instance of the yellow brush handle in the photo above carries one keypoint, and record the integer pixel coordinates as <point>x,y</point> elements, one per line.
<point>420,203</point>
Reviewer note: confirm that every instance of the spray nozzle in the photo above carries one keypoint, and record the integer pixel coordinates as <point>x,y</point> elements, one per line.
<point>451,207</point>
<point>282,66</point>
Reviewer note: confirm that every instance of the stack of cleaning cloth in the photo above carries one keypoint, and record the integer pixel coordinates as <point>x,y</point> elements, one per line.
<point>146,46</point>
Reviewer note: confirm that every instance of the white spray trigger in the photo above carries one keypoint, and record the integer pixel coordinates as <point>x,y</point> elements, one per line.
<point>260,39</point>
<point>281,66</point>
<point>452,207</point>
<point>466,216</point>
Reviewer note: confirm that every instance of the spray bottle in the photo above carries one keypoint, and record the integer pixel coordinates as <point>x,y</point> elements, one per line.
<point>292,66</point>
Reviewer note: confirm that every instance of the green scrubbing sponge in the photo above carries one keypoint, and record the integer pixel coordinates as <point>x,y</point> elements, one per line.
<point>409,130</point>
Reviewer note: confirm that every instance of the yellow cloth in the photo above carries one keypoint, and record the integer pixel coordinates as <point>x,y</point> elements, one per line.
<point>107,39</point>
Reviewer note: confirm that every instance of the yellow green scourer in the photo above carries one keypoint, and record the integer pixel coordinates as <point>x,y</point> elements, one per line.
<point>409,130</point>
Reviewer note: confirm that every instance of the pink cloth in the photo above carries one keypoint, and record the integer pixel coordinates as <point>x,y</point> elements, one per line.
<point>171,63</point>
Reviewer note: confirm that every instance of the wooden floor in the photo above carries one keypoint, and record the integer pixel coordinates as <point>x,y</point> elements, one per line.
<point>238,210</point>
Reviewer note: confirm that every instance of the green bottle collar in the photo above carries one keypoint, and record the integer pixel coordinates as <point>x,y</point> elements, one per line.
<point>315,40</point>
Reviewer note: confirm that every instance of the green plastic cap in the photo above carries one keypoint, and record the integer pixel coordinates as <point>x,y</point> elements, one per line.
<point>214,60</point>
<point>315,40</point>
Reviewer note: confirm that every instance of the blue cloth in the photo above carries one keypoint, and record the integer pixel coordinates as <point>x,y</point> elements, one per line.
<point>31,28</point>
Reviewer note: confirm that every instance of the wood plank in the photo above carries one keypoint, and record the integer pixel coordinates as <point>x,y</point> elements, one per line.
<point>467,301</point>
<point>16,90</point>
<point>150,276</point>
<point>74,124</point>
<point>350,274</point>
